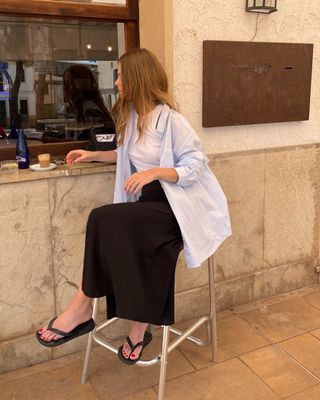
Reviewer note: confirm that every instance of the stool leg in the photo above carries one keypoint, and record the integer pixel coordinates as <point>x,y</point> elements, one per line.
<point>85,368</point>
<point>163,362</point>
<point>213,311</point>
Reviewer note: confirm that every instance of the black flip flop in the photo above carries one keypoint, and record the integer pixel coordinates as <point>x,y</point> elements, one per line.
<point>79,330</point>
<point>146,340</point>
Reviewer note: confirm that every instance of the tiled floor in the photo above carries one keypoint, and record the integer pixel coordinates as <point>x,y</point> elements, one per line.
<point>268,350</point>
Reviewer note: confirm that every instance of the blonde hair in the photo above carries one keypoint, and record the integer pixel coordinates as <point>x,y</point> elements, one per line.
<point>144,85</point>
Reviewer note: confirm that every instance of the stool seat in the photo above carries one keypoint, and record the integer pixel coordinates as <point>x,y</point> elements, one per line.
<point>166,348</point>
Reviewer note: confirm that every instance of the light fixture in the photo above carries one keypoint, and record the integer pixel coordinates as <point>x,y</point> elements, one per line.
<point>261,6</point>
<point>109,48</point>
<point>88,46</point>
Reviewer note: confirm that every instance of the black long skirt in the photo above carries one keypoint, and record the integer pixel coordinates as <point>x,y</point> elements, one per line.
<point>130,257</point>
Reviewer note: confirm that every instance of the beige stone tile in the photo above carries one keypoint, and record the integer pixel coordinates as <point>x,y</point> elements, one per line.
<point>234,292</point>
<point>283,320</point>
<point>22,352</point>
<point>71,347</point>
<point>242,180</point>
<point>191,304</point>
<point>235,337</point>
<point>278,371</point>
<point>189,278</point>
<point>26,295</point>
<point>41,367</point>
<point>313,298</point>
<point>312,393</point>
<point>71,200</point>
<point>224,314</point>
<point>62,383</point>
<point>254,305</point>
<point>230,380</point>
<point>290,211</point>
<point>282,279</point>
<point>306,349</point>
<point>293,295</point>
<point>195,302</point>
<point>112,379</point>
<point>316,333</point>
<point>149,394</point>
<point>305,291</point>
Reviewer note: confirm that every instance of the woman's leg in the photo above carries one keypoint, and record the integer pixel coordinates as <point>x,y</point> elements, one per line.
<point>79,311</point>
<point>136,335</point>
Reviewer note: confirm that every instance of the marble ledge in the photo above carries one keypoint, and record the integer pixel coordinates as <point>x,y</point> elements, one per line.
<point>94,168</point>
<point>60,171</point>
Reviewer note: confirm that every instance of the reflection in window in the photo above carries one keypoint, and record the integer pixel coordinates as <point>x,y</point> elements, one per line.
<point>34,54</point>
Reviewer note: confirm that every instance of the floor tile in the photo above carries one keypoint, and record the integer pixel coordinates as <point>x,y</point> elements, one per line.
<point>286,319</point>
<point>230,380</point>
<point>312,393</point>
<point>112,379</point>
<point>149,394</point>
<point>278,371</point>
<point>306,349</point>
<point>39,368</point>
<point>235,337</point>
<point>313,299</point>
<point>58,384</point>
<point>304,291</point>
<point>316,333</point>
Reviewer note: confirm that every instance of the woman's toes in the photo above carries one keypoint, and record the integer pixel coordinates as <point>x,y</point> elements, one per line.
<point>45,336</point>
<point>126,350</point>
<point>135,354</point>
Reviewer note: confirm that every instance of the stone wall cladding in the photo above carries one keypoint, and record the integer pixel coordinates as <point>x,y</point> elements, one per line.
<point>274,200</point>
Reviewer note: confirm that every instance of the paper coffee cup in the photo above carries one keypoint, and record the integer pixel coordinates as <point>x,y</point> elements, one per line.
<point>44,160</point>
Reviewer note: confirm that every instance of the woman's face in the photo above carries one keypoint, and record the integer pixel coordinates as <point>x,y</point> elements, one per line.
<point>118,82</point>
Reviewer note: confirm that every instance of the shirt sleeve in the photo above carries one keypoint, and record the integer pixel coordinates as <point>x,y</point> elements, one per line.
<point>187,149</point>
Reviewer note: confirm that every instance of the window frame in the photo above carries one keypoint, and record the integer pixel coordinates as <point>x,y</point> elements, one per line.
<point>70,9</point>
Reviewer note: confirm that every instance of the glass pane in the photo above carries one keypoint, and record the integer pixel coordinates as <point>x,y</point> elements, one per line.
<point>34,54</point>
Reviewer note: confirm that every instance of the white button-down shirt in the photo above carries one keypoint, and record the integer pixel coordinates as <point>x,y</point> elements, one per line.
<point>197,199</point>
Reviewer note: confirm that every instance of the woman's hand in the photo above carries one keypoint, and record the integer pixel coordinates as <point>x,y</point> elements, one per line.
<point>76,156</point>
<point>137,180</point>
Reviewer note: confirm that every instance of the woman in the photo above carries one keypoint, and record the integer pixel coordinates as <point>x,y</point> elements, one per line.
<point>132,246</point>
<point>82,93</point>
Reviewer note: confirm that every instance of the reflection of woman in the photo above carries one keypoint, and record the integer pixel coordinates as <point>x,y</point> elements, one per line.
<point>132,246</point>
<point>82,93</point>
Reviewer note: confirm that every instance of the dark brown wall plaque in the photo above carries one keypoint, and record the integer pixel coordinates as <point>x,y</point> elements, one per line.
<point>255,82</point>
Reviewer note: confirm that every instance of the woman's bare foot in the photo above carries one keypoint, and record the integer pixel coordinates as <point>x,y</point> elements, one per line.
<point>136,335</point>
<point>79,311</point>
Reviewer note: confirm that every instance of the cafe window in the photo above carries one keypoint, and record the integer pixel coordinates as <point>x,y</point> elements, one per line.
<point>33,57</point>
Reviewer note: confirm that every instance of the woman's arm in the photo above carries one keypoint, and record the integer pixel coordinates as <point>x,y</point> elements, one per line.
<point>187,150</point>
<point>76,156</point>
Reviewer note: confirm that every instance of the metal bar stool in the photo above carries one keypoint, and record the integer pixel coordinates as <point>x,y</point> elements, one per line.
<point>167,347</point>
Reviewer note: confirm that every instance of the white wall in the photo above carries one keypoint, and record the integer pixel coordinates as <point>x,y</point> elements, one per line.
<point>296,21</point>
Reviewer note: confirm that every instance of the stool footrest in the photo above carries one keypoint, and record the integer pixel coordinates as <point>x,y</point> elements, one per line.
<point>186,334</point>
<point>102,342</point>
<point>157,359</point>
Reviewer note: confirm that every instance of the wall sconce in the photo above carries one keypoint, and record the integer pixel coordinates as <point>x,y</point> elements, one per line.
<point>261,6</point>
